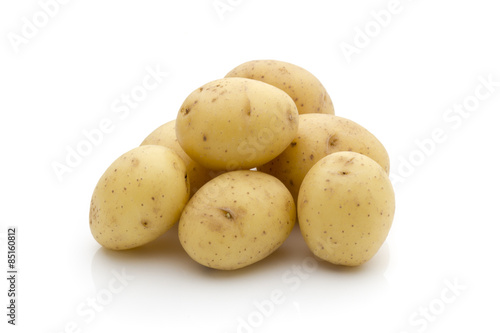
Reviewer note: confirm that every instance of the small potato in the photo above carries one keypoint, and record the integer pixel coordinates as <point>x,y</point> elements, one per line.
<point>165,136</point>
<point>318,136</point>
<point>138,198</point>
<point>236,219</point>
<point>345,208</point>
<point>236,123</point>
<point>303,87</point>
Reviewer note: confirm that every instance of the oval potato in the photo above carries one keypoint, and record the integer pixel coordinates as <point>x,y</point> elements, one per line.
<point>318,136</point>
<point>138,198</point>
<point>345,208</point>
<point>309,95</point>
<point>236,219</point>
<point>236,123</point>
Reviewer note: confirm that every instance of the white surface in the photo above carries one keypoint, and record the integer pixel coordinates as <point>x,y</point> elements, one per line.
<point>69,76</point>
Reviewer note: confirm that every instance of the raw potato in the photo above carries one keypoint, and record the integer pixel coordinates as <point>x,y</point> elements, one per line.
<point>309,95</point>
<point>236,123</point>
<point>165,136</point>
<point>345,208</point>
<point>236,219</point>
<point>320,135</point>
<point>139,197</point>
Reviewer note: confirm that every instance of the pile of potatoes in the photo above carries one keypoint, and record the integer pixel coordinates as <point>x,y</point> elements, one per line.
<point>247,157</point>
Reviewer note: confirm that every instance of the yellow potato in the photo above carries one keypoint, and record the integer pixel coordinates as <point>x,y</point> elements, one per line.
<point>236,123</point>
<point>345,208</point>
<point>309,95</point>
<point>236,219</point>
<point>318,136</point>
<point>138,198</point>
<point>165,136</point>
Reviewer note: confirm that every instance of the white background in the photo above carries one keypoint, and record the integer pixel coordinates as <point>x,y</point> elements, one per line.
<point>72,70</point>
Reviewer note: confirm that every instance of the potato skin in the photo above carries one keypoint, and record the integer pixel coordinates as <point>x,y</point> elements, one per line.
<point>236,219</point>
<point>138,198</point>
<point>165,136</point>
<point>318,136</point>
<point>309,95</point>
<point>236,123</point>
<point>345,208</point>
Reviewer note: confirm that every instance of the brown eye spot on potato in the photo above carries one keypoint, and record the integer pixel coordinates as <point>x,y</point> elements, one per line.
<point>227,213</point>
<point>145,223</point>
<point>349,161</point>
<point>134,161</point>
<point>283,70</point>
<point>332,141</point>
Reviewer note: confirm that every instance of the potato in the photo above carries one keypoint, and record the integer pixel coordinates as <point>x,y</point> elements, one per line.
<point>236,123</point>
<point>139,197</point>
<point>305,89</point>
<point>345,208</point>
<point>318,136</point>
<point>165,136</point>
<point>236,219</point>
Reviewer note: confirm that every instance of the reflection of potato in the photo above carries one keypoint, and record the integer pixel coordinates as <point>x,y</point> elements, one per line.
<point>318,136</point>
<point>345,208</point>
<point>236,123</point>
<point>236,219</point>
<point>304,88</point>
<point>139,197</point>
<point>165,136</point>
